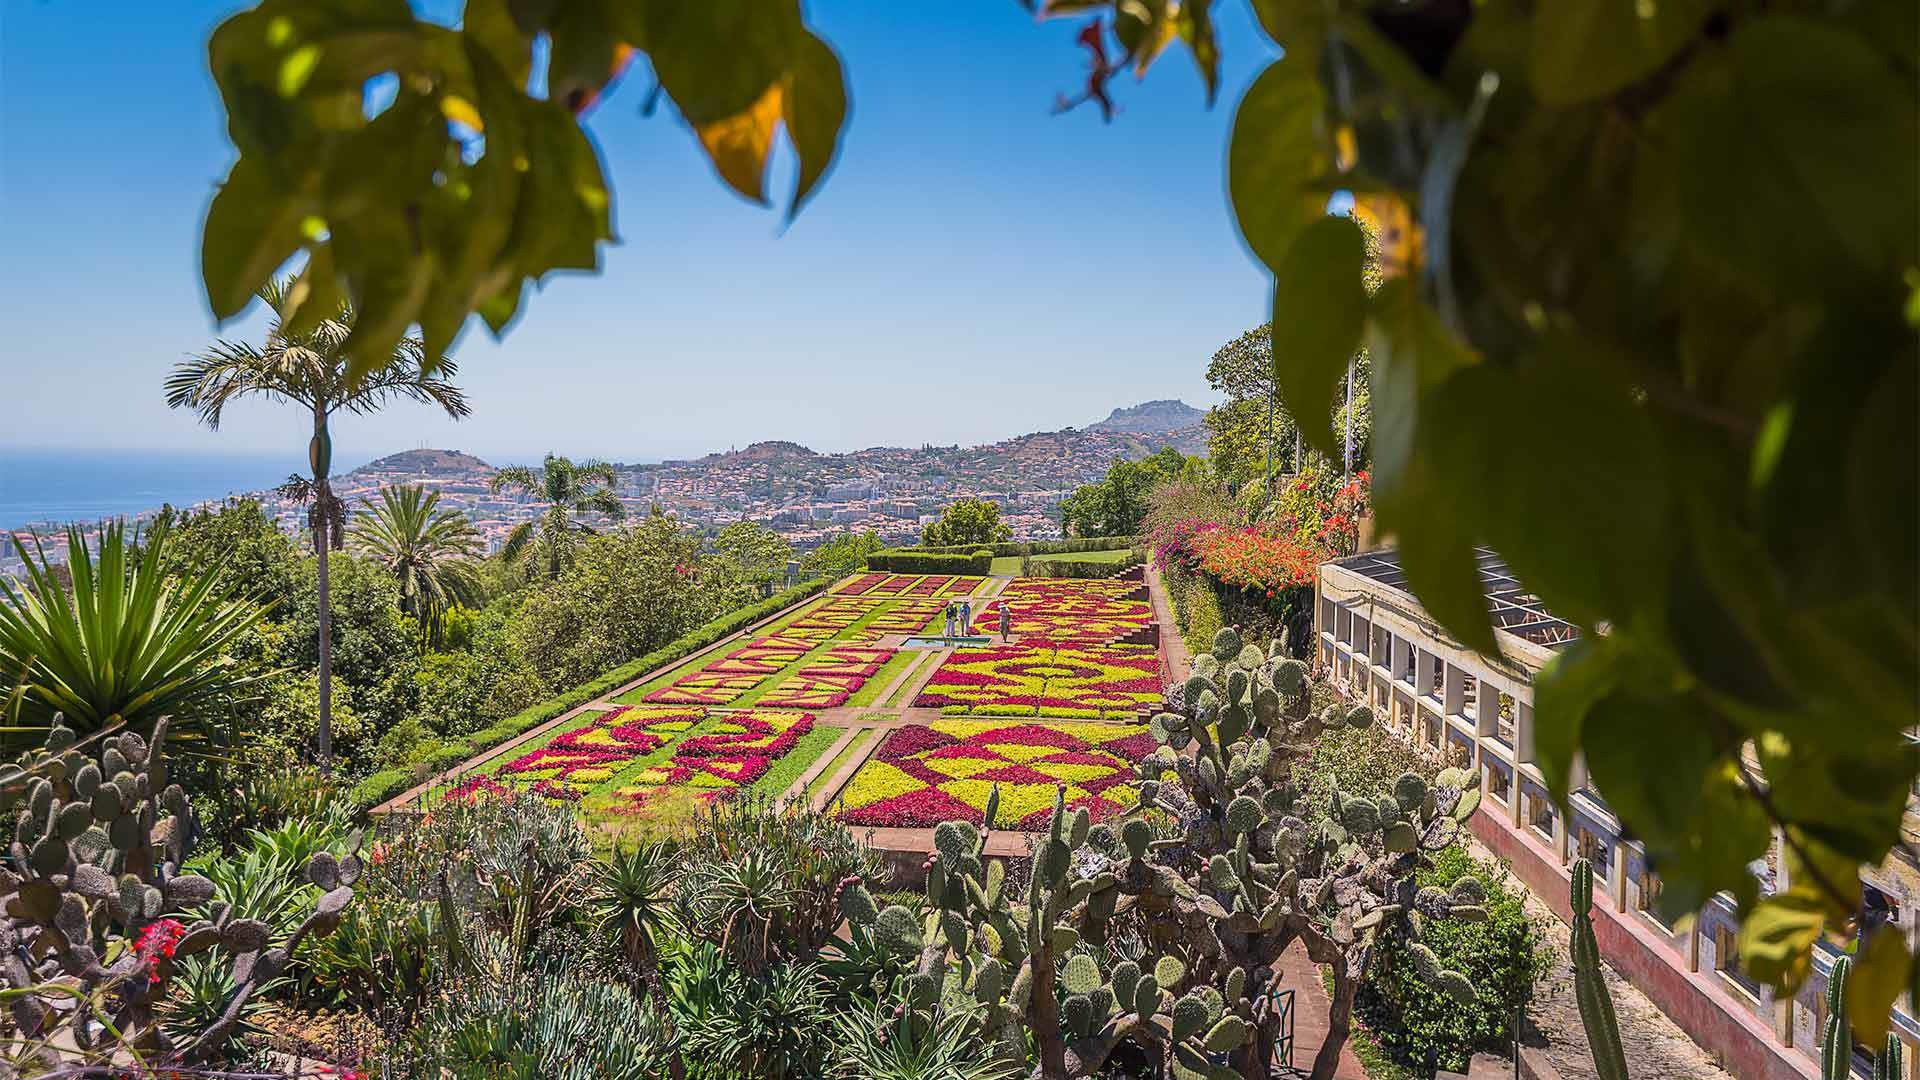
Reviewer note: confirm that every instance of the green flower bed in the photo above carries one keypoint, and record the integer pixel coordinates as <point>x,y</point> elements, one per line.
<point>435,758</point>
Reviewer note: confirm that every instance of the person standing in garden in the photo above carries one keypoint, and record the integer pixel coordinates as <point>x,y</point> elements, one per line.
<point>1006,622</point>
<point>966,616</point>
<point>949,618</point>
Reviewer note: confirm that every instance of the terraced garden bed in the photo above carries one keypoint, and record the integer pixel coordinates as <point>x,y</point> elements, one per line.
<point>923,774</point>
<point>1061,680</point>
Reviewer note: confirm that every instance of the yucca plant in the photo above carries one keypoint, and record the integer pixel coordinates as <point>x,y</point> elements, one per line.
<point>126,644</point>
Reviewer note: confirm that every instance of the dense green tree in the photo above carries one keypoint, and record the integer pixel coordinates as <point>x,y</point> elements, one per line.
<point>1116,505</point>
<point>429,551</point>
<point>236,540</point>
<point>627,591</point>
<point>546,546</point>
<point>304,362</point>
<point>375,644</point>
<point>840,555</point>
<point>967,521</point>
<point>751,558</point>
<point>1252,430</point>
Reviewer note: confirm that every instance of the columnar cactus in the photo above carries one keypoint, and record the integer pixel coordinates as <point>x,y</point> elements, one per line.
<point>92,889</point>
<point>1589,986</point>
<point>1242,863</point>
<point>1888,1065</point>
<point>1836,1047</point>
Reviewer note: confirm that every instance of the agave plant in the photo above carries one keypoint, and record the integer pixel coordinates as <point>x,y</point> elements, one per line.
<point>882,1040</point>
<point>633,897</point>
<point>125,644</point>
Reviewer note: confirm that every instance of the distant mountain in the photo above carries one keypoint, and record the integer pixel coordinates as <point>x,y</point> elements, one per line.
<point>1150,418</point>
<point>431,462</point>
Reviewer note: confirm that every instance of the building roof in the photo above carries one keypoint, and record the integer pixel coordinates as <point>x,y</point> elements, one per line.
<point>1509,604</point>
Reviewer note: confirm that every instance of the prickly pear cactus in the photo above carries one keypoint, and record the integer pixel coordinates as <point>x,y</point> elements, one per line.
<point>93,898</point>
<point>1035,963</point>
<point>1264,864</point>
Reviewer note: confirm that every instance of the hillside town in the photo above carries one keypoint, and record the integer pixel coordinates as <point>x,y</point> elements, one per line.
<point>806,496</point>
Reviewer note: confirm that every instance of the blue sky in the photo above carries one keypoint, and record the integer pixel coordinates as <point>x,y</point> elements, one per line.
<point>973,268</point>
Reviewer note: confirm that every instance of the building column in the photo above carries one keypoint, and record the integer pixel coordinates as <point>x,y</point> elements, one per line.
<point>1453,691</point>
<point>1487,707</point>
<point>1422,672</point>
<point>1522,728</point>
<point>1402,657</point>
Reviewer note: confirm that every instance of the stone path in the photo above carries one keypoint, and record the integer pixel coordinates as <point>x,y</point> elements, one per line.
<point>1310,1006</point>
<point>1655,1045</point>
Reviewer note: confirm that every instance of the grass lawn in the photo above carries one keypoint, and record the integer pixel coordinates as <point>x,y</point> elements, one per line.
<point>788,769</point>
<point>1116,555</point>
<point>1005,566</point>
<point>852,750</point>
<point>870,690</point>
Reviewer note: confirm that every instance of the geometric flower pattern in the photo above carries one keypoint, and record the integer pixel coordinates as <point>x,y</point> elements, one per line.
<point>829,679</point>
<point>889,585</point>
<point>1064,680</point>
<point>1068,609</point>
<point>569,764</point>
<point>924,774</point>
<point>737,749</point>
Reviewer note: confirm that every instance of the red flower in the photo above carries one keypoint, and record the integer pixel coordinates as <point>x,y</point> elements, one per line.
<point>157,943</point>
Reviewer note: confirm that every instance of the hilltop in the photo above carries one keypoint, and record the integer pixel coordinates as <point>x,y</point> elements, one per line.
<point>1150,417</point>
<point>430,462</point>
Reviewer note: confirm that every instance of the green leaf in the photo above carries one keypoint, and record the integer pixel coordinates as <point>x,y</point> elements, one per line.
<point>1777,938</point>
<point>816,112</point>
<point>1194,20</point>
<point>1319,310</point>
<point>491,26</point>
<point>1587,530</point>
<point>1784,148</point>
<point>315,295</point>
<point>1278,158</point>
<point>1694,814</point>
<point>251,229</point>
<point>1584,49</point>
<point>1878,977</point>
<point>1577,677</point>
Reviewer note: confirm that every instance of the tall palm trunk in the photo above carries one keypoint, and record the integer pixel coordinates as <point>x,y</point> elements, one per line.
<point>320,455</point>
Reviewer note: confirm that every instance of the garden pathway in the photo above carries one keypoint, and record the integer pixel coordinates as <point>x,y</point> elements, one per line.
<point>1311,1006</point>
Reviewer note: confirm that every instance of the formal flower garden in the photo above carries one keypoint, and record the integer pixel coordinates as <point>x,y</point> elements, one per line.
<point>1068,609</point>
<point>623,752</point>
<point>920,585</point>
<point>924,774</point>
<point>1064,680</point>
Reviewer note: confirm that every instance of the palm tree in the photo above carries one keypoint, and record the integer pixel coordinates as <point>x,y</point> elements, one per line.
<point>430,551</point>
<point>307,366</point>
<point>568,490</point>
<point>125,643</point>
<point>633,897</point>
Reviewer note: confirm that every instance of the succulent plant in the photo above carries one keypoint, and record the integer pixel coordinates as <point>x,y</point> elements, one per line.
<point>1589,987</point>
<point>95,905</point>
<point>1226,860</point>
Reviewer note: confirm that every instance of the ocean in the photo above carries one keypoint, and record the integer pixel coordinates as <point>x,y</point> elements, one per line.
<point>59,486</point>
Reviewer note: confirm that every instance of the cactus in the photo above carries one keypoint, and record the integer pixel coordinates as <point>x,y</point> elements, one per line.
<point>93,889</point>
<point>1836,1046</point>
<point>1887,1066</point>
<point>1589,987</point>
<point>1225,861</point>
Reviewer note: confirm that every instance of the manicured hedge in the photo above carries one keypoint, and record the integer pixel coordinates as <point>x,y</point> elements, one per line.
<point>1038,547</point>
<point>1080,568</point>
<point>976,561</point>
<point>387,783</point>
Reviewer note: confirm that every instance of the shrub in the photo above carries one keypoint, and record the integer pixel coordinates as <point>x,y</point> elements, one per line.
<point>1417,1023</point>
<point>976,561</point>
<point>1034,547</point>
<point>434,756</point>
<point>1196,607</point>
<point>1079,568</point>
